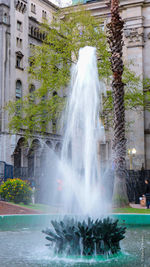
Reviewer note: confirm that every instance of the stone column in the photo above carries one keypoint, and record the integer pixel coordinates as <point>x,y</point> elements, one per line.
<point>133,54</point>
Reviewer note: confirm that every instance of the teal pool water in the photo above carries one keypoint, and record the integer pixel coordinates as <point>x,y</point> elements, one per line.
<point>26,247</point>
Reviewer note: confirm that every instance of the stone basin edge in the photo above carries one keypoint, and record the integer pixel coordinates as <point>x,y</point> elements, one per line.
<point>43,220</point>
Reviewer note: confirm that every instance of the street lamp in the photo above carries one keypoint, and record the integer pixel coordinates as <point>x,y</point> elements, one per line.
<point>131,153</point>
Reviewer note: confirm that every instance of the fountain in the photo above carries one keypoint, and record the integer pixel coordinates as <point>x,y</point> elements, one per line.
<point>78,187</point>
<point>79,164</point>
<point>78,169</point>
<point>83,193</point>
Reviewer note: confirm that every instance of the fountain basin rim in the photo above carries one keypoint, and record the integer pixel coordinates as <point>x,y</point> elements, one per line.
<point>96,258</point>
<point>43,220</point>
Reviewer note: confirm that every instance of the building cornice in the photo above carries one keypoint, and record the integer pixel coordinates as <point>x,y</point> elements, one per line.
<point>34,19</point>
<point>50,4</point>
<point>123,4</point>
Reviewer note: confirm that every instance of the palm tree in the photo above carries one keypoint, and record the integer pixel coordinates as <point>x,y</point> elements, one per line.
<point>115,34</point>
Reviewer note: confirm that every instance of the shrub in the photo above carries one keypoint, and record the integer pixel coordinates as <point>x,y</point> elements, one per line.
<point>71,237</point>
<point>16,190</point>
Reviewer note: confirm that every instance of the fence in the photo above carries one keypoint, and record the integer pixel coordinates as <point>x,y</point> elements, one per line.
<point>136,184</point>
<point>135,180</point>
<point>6,171</point>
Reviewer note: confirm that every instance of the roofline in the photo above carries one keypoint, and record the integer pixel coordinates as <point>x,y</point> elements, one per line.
<point>50,3</point>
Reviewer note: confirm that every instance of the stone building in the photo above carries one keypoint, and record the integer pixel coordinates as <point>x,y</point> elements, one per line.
<point>19,30</point>
<point>136,14</point>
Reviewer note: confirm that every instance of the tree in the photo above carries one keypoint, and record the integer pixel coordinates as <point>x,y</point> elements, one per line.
<point>50,66</point>
<point>119,141</point>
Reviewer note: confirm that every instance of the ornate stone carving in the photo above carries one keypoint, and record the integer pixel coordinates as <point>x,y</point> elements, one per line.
<point>134,36</point>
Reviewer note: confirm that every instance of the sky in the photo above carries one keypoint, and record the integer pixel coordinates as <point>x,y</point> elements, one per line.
<point>61,2</point>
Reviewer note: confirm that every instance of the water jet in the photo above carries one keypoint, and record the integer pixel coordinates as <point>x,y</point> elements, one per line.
<point>79,169</point>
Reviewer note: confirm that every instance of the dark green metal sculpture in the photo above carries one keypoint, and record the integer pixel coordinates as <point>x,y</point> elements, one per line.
<point>88,238</point>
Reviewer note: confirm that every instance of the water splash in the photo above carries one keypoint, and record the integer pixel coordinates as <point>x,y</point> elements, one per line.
<point>82,189</point>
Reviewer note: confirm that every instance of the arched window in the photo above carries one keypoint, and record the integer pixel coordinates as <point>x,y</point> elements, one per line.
<point>49,144</point>
<point>5,18</point>
<point>18,89</point>
<point>21,7</point>
<point>24,8</point>
<point>44,14</point>
<point>33,8</point>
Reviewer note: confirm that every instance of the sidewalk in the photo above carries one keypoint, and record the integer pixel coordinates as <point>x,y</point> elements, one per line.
<point>136,206</point>
<point>8,209</point>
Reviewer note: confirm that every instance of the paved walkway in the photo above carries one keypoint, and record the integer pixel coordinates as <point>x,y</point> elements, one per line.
<point>8,208</point>
<point>136,206</point>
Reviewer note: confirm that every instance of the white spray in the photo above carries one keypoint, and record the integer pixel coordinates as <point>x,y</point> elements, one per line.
<point>82,191</point>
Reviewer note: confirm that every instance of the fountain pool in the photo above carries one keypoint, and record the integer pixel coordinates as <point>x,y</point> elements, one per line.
<point>26,247</point>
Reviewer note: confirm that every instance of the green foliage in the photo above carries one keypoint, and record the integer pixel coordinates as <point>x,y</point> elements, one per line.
<point>50,66</point>
<point>85,238</point>
<point>16,190</point>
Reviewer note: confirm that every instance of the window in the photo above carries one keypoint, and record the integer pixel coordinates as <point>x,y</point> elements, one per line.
<point>33,8</point>
<point>31,31</point>
<point>20,6</point>
<point>44,14</point>
<point>31,92</point>
<point>19,42</point>
<point>31,63</point>
<point>54,117</point>
<point>18,96</point>
<point>19,60</point>
<point>19,25</point>
<point>18,89</point>
<point>5,18</point>
<point>32,46</point>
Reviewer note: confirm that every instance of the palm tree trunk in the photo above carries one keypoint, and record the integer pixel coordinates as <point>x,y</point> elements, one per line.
<point>115,32</point>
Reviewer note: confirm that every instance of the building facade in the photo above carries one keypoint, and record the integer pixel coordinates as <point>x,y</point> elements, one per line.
<point>19,30</point>
<point>136,15</point>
